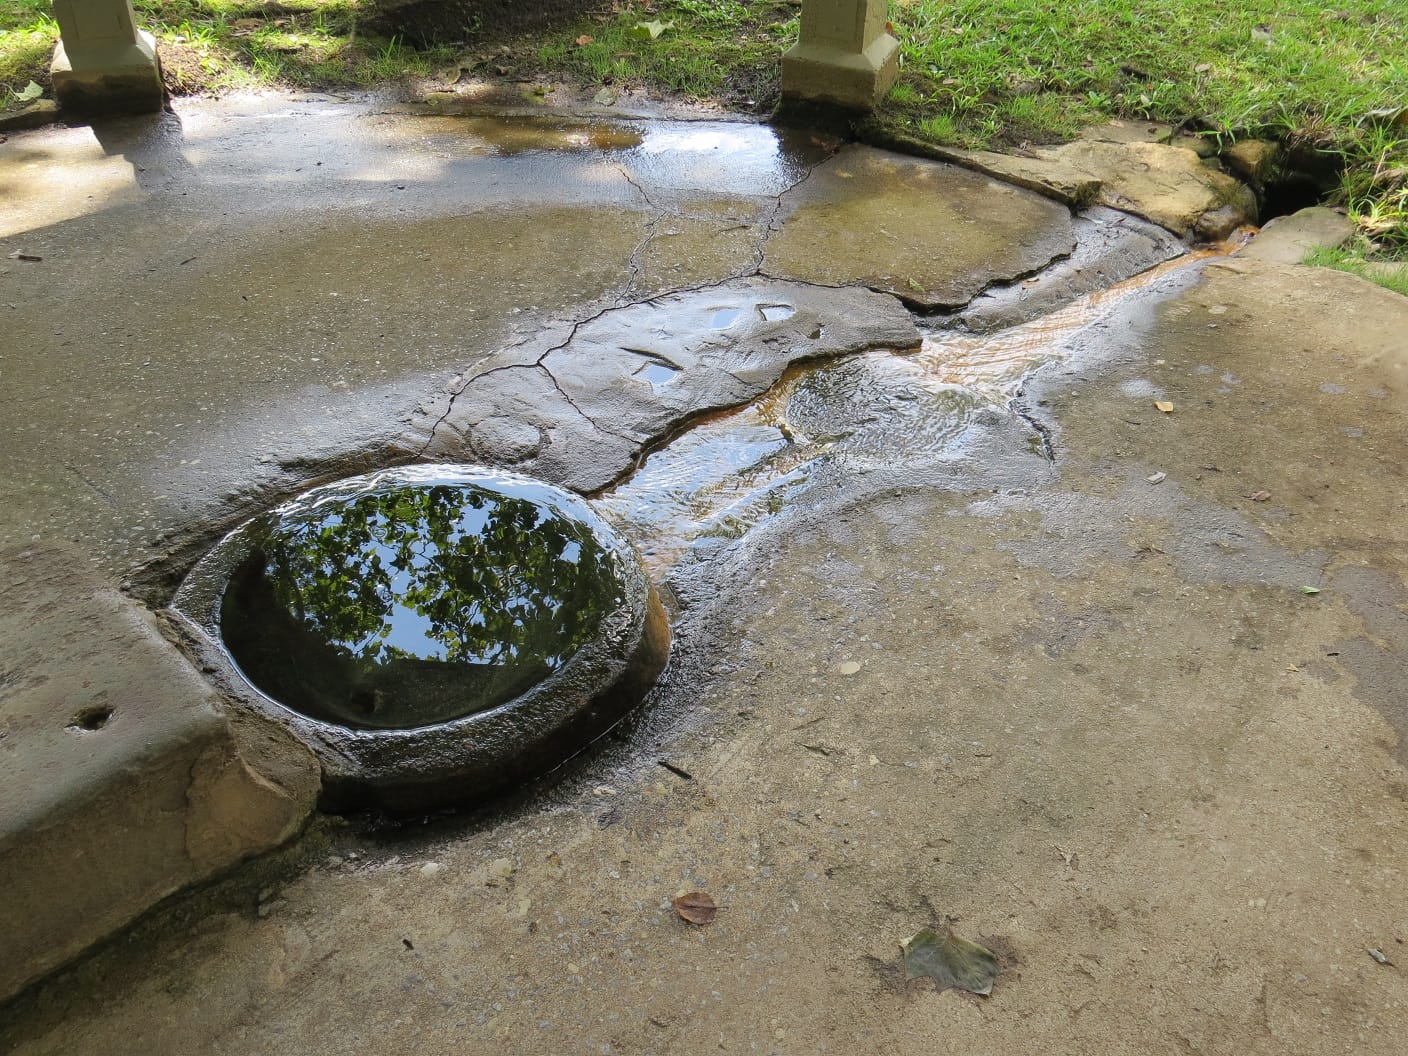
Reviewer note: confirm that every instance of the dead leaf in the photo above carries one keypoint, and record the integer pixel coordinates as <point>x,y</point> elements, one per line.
<point>952,962</point>
<point>1163,405</point>
<point>697,907</point>
<point>1379,956</point>
<point>1258,496</point>
<point>584,40</point>
<point>1310,590</point>
<point>1156,478</point>
<point>29,92</point>
<point>28,258</point>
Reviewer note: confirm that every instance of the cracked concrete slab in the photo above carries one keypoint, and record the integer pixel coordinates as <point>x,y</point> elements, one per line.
<point>1079,703</point>
<point>934,235</point>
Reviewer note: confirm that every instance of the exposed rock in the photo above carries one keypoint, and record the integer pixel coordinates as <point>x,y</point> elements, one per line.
<point>1252,159</point>
<point>934,235</point>
<point>1203,146</point>
<point>1129,132</point>
<point>1289,239</point>
<point>1165,184</point>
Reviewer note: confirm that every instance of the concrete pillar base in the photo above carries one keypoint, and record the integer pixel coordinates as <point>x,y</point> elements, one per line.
<point>827,73</point>
<point>120,80</point>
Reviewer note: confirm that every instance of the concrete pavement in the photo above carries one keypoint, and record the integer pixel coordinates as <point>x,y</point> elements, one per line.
<point>975,635</point>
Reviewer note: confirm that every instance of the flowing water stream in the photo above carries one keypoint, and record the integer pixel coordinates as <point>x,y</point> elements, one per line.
<point>733,469</point>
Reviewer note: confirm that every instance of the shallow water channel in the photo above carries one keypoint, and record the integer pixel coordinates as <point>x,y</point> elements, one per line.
<point>838,417</point>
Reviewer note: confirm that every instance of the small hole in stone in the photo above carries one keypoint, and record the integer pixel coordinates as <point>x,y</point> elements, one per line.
<point>91,720</point>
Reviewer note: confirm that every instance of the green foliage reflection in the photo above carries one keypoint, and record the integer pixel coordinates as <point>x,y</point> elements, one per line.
<point>414,604</point>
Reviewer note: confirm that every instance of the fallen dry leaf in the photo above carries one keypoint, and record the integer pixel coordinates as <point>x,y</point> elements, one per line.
<point>584,40</point>
<point>27,257</point>
<point>1258,496</point>
<point>697,907</point>
<point>1163,405</point>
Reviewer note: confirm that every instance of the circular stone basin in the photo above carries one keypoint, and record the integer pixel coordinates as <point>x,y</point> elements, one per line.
<point>433,632</point>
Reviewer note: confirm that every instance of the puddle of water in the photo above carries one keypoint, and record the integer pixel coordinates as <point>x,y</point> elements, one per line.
<point>725,317</point>
<point>734,469</point>
<point>776,312</point>
<point>509,136</point>
<point>656,372</point>
<point>387,603</point>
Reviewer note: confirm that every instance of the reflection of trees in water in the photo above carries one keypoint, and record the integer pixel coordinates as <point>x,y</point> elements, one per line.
<point>415,605</point>
<point>443,573</point>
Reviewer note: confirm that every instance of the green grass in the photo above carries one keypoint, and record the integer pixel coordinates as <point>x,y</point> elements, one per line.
<point>975,72</point>
<point>1352,260</point>
<point>711,50</point>
<point>27,36</point>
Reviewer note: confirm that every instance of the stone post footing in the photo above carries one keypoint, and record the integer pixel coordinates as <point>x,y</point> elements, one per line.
<point>122,81</point>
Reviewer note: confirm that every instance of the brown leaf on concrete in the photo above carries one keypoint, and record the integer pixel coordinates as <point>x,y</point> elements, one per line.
<point>697,907</point>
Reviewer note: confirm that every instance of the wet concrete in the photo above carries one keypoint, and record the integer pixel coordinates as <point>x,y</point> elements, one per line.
<point>977,231</point>
<point>1094,664</point>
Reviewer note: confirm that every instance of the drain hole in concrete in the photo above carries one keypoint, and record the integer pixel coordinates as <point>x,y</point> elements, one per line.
<point>92,720</point>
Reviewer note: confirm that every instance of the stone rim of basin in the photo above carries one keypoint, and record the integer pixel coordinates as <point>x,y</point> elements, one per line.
<point>469,757</point>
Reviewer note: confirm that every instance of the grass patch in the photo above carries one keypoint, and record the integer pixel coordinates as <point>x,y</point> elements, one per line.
<point>726,50</point>
<point>1391,275</point>
<point>27,36</point>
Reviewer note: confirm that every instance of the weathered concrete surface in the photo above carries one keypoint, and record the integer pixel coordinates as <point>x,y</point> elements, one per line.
<point>121,778</point>
<point>580,410</point>
<point>1103,723</point>
<point>1091,719</point>
<point>416,247</point>
<point>932,234</point>
<point>1290,239</point>
<point>208,311</point>
<point>1168,185</point>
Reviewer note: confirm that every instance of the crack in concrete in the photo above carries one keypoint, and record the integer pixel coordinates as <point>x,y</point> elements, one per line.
<point>585,416</point>
<point>1046,435</point>
<point>768,225</point>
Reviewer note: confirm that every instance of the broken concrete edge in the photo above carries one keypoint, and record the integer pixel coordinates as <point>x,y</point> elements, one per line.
<point>37,114</point>
<point>875,133</point>
<point>129,83</point>
<point>126,778</point>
